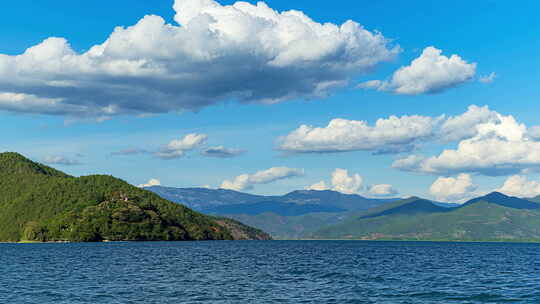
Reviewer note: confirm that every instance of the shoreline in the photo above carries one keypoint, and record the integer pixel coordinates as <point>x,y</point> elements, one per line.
<point>427,241</point>
<point>292,240</point>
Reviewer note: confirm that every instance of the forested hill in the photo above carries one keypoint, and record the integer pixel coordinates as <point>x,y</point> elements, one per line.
<point>39,203</point>
<point>493,217</point>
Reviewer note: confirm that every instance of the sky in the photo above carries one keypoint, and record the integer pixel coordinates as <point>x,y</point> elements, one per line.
<point>379,98</point>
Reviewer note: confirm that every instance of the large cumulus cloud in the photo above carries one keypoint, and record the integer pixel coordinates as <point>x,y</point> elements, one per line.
<point>341,181</point>
<point>519,185</point>
<point>250,53</point>
<point>500,146</point>
<point>402,134</point>
<point>430,73</point>
<point>391,135</point>
<point>453,188</point>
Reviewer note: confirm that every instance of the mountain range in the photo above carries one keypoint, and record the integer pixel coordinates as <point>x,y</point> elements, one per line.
<point>40,203</point>
<point>291,216</point>
<point>221,201</point>
<point>493,217</point>
<point>333,215</point>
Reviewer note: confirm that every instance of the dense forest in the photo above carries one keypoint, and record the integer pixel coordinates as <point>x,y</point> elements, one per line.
<point>39,203</point>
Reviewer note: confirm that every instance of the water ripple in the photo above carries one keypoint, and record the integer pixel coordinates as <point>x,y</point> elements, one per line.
<point>270,272</point>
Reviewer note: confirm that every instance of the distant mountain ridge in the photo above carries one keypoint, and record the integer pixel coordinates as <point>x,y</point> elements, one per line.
<point>336,199</point>
<point>214,200</point>
<point>505,200</point>
<point>290,216</point>
<point>279,208</point>
<point>333,215</point>
<point>410,206</point>
<point>493,217</point>
<point>203,198</point>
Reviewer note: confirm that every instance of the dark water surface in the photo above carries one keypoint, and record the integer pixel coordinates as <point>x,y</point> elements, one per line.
<point>270,272</point>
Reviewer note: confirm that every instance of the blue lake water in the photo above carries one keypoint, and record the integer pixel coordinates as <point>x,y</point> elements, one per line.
<point>270,272</point>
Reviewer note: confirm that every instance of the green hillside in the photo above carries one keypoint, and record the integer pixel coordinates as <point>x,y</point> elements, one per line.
<point>39,203</point>
<point>290,227</point>
<point>480,220</point>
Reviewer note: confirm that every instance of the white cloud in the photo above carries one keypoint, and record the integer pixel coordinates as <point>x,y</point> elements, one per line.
<point>150,183</point>
<point>60,160</point>
<point>432,72</point>
<point>518,185</point>
<point>409,163</point>
<point>188,142</point>
<point>320,186</point>
<point>240,183</point>
<point>488,78</point>
<point>464,126</point>
<point>274,174</point>
<point>392,135</point>
<point>247,181</point>
<point>382,190</point>
<point>20,102</point>
<point>534,132</point>
<point>344,182</point>
<point>499,147</point>
<point>453,189</point>
<point>221,152</point>
<point>341,181</point>
<point>407,133</point>
<point>371,84</point>
<point>154,67</point>
<point>178,147</point>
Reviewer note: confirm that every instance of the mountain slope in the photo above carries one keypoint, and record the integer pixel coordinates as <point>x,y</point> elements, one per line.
<point>16,164</point>
<point>40,203</point>
<point>480,220</point>
<point>409,206</point>
<point>290,227</point>
<point>446,205</point>
<point>279,208</point>
<point>505,200</point>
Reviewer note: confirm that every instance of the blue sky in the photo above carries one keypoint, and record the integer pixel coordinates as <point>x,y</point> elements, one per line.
<point>500,37</point>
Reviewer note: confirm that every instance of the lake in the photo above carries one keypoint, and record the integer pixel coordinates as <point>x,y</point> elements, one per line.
<point>270,272</point>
